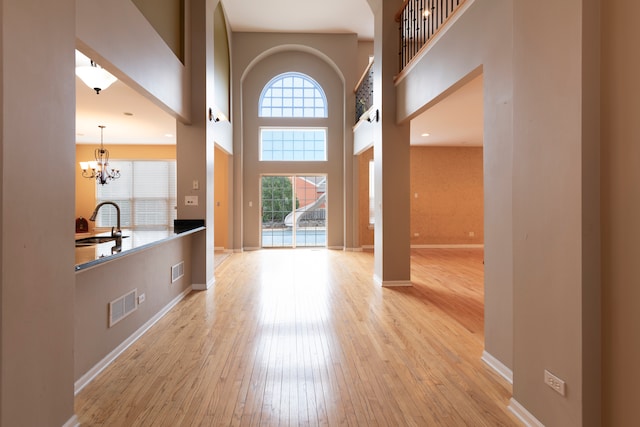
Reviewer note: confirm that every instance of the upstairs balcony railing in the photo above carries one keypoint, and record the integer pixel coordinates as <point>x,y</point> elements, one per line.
<point>419,21</point>
<point>364,92</point>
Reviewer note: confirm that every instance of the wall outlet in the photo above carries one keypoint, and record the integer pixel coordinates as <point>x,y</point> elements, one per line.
<point>141,298</point>
<point>191,200</point>
<point>472,234</point>
<point>554,382</point>
<point>416,234</point>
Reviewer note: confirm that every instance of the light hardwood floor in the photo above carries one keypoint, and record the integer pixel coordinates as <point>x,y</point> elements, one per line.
<point>305,337</point>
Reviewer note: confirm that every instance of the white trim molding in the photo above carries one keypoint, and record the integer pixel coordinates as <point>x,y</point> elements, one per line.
<point>109,358</point>
<point>523,415</point>
<point>205,286</point>
<point>391,283</point>
<point>497,366</point>
<point>461,246</point>
<point>72,422</point>
<point>396,283</point>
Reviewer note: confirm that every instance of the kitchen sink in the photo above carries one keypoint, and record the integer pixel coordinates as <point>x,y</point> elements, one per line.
<point>94,240</point>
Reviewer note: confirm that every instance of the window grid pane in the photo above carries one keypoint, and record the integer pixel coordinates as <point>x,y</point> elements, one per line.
<point>292,95</point>
<point>302,144</point>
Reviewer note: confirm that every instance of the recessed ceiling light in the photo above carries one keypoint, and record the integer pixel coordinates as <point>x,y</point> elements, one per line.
<point>425,134</point>
<point>127,113</point>
<point>168,135</point>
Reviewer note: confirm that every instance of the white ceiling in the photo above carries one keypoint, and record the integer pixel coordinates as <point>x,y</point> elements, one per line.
<point>457,120</point>
<point>130,118</point>
<point>303,16</point>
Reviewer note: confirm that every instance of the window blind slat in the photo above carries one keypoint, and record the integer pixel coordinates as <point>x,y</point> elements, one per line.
<point>145,192</point>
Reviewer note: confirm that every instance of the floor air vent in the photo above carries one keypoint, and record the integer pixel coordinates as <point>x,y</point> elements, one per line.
<point>122,307</point>
<point>177,271</point>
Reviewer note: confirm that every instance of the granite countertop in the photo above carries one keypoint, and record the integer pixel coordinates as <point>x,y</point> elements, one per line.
<point>132,241</point>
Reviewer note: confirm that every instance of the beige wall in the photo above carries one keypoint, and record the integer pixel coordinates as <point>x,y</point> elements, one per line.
<point>326,58</point>
<point>149,272</point>
<point>167,18</point>
<point>480,41</point>
<point>86,189</point>
<point>36,231</point>
<point>365,231</point>
<point>555,138</point>
<point>133,52</point>
<point>222,63</point>
<point>449,204</point>
<point>221,197</point>
<point>620,212</point>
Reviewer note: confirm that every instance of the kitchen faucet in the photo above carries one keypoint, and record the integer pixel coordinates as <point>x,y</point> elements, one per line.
<point>114,232</point>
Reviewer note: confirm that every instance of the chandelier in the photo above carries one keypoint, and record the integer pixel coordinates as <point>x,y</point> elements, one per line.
<point>99,169</point>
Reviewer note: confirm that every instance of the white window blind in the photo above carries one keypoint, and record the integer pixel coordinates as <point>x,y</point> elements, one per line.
<point>145,192</point>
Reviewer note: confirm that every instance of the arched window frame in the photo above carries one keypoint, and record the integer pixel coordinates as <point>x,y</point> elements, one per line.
<point>301,97</point>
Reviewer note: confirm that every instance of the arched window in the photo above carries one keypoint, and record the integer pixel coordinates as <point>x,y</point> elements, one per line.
<point>292,95</point>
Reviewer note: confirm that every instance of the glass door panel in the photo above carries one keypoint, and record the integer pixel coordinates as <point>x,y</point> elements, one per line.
<point>286,226</point>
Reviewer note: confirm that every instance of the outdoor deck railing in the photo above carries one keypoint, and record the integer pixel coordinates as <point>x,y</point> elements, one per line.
<point>419,21</point>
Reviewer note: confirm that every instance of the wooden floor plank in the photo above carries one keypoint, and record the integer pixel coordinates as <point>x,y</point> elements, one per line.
<point>305,337</point>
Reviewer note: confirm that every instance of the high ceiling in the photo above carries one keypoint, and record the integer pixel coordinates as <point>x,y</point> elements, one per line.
<point>302,16</point>
<point>131,118</point>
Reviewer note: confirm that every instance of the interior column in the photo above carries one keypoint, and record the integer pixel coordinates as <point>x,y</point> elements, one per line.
<point>195,147</point>
<point>392,266</point>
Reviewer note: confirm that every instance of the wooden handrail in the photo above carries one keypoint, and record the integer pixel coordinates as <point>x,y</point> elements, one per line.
<point>364,76</point>
<point>399,12</point>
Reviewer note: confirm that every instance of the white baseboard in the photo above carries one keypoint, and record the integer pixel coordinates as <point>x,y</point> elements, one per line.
<point>353,249</point>
<point>462,246</point>
<point>109,358</point>
<point>72,422</point>
<point>251,248</point>
<point>367,247</point>
<point>396,283</point>
<point>223,250</point>
<point>336,248</point>
<point>523,415</point>
<point>390,283</point>
<point>498,366</point>
<point>203,286</point>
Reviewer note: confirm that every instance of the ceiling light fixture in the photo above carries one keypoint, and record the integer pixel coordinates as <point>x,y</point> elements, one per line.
<point>99,169</point>
<point>94,76</point>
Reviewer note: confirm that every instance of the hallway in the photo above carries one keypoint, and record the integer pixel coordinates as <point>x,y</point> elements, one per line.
<point>305,337</point>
